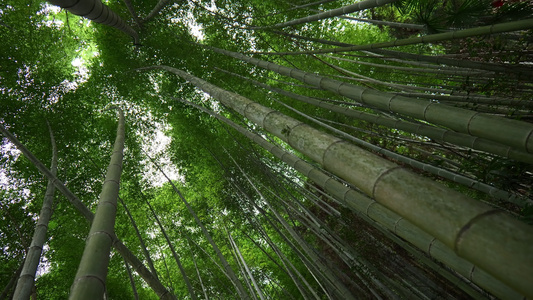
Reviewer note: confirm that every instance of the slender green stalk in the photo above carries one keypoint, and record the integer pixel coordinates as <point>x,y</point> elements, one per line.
<point>89,282</point>
<point>27,276</point>
<point>446,71</point>
<point>141,240</point>
<point>204,290</point>
<point>418,58</point>
<point>339,288</point>
<point>174,253</point>
<point>132,280</point>
<point>247,269</point>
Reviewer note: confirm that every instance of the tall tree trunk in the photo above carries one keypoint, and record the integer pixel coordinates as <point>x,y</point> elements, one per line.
<point>89,282</point>
<point>27,276</point>
<point>98,12</point>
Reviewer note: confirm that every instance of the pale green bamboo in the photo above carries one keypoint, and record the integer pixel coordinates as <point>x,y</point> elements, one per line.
<point>98,12</point>
<point>330,278</point>
<point>447,36</point>
<point>457,178</point>
<point>141,240</point>
<point>287,264</point>
<point>89,282</point>
<point>487,237</point>
<point>283,265</point>
<point>368,208</point>
<point>347,254</point>
<point>313,269</point>
<point>196,268</point>
<point>243,268</point>
<point>250,275</point>
<point>362,5</point>
<point>436,133</point>
<point>460,63</point>
<point>136,263</point>
<point>26,279</point>
<point>132,280</point>
<point>477,124</point>
<point>173,250</point>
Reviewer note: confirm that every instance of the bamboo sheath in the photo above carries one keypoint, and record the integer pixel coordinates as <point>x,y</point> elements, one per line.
<point>374,211</point>
<point>489,238</point>
<point>98,12</point>
<point>135,262</point>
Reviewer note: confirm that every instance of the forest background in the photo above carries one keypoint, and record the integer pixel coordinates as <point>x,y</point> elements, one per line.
<point>436,205</point>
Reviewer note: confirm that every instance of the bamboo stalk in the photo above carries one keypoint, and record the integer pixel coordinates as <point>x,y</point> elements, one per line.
<point>26,279</point>
<point>98,12</point>
<point>89,282</point>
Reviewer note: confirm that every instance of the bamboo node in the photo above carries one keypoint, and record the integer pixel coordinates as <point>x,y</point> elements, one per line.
<point>469,224</point>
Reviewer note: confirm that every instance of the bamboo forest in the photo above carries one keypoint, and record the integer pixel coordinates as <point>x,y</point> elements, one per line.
<point>266,149</point>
